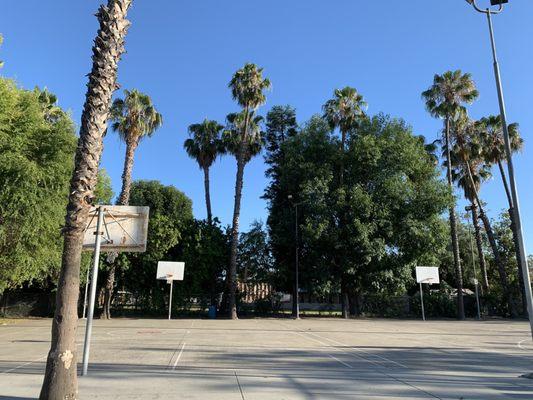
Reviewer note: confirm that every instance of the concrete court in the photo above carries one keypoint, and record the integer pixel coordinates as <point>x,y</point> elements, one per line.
<point>270,359</point>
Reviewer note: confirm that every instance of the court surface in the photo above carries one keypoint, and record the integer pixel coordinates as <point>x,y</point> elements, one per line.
<point>282,359</point>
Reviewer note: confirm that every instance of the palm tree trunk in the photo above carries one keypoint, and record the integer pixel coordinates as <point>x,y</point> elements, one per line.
<point>207,196</point>
<point>236,214</point>
<point>453,230</point>
<point>515,238</point>
<point>60,380</point>
<point>494,246</point>
<point>345,303</point>
<point>124,198</point>
<point>479,243</point>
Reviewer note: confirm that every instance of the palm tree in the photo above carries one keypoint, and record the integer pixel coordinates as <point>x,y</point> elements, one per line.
<point>204,145</point>
<point>493,149</point>
<point>134,118</point>
<point>344,111</point>
<point>60,380</point>
<point>247,88</point>
<point>443,100</point>
<point>466,153</point>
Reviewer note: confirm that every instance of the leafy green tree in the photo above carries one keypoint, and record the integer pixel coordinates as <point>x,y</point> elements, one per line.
<point>247,88</point>
<point>254,257</point>
<point>134,118</point>
<point>345,112</point>
<point>60,381</point>
<point>204,145</point>
<point>103,192</point>
<point>35,165</point>
<point>170,215</point>
<point>446,96</point>
<point>281,125</point>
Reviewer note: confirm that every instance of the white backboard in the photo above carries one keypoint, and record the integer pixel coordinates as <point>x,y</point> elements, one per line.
<point>174,268</point>
<point>427,275</point>
<point>125,229</point>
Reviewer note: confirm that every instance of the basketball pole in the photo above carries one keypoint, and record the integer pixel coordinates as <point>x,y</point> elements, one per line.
<point>170,300</point>
<point>422,302</point>
<point>96,259</point>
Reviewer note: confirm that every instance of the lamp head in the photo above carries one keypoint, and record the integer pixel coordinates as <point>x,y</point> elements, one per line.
<point>497,2</point>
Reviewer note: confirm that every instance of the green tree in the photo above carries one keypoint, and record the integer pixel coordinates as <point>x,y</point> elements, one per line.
<point>60,380</point>
<point>254,257</point>
<point>103,192</point>
<point>345,112</point>
<point>281,125</point>
<point>247,88</point>
<point>35,166</point>
<point>448,94</point>
<point>204,145</point>
<point>170,216</point>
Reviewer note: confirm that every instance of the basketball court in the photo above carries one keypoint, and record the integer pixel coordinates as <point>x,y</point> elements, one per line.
<point>281,359</point>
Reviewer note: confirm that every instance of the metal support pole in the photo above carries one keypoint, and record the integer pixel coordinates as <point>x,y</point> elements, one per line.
<point>422,302</point>
<point>296,272</point>
<point>96,259</point>
<point>514,192</point>
<point>85,294</point>
<point>170,300</point>
<point>477,299</point>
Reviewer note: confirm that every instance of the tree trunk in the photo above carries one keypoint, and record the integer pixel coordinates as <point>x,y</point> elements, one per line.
<point>345,302</point>
<point>345,299</point>
<point>207,196</point>
<point>515,239</point>
<point>236,214</point>
<point>60,380</point>
<point>124,198</point>
<point>108,294</point>
<point>453,230</point>
<point>479,243</point>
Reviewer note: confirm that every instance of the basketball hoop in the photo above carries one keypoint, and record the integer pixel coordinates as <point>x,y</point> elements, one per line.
<point>170,278</point>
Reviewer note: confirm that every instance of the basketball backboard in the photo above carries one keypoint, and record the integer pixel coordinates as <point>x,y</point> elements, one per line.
<point>125,229</point>
<point>170,270</point>
<point>427,275</point>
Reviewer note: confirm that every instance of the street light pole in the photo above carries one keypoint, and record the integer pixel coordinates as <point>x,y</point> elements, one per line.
<point>514,193</point>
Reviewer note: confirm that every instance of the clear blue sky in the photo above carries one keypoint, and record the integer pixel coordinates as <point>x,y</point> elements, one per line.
<point>183,53</point>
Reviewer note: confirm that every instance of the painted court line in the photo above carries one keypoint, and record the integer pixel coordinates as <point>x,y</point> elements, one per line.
<point>23,365</point>
<point>179,356</point>
<point>342,362</point>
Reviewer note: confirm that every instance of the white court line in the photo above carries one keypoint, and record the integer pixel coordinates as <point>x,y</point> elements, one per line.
<point>519,344</point>
<point>23,365</point>
<point>179,356</point>
<point>342,362</point>
<point>361,350</point>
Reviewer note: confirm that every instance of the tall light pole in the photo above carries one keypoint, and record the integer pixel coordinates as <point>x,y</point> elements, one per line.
<point>296,300</point>
<point>516,207</point>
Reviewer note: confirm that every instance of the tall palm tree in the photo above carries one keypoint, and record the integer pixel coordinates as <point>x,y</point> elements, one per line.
<point>344,111</point>
<point>493,149</point>
<point>247,88</point>
<point>466,153</point>
<point>60,380</point>
<point>448,94</point>
<point>134,118</point>
<point>204,146</point>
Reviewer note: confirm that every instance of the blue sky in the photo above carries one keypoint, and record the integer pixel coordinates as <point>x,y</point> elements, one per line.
<point>183,53</point>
